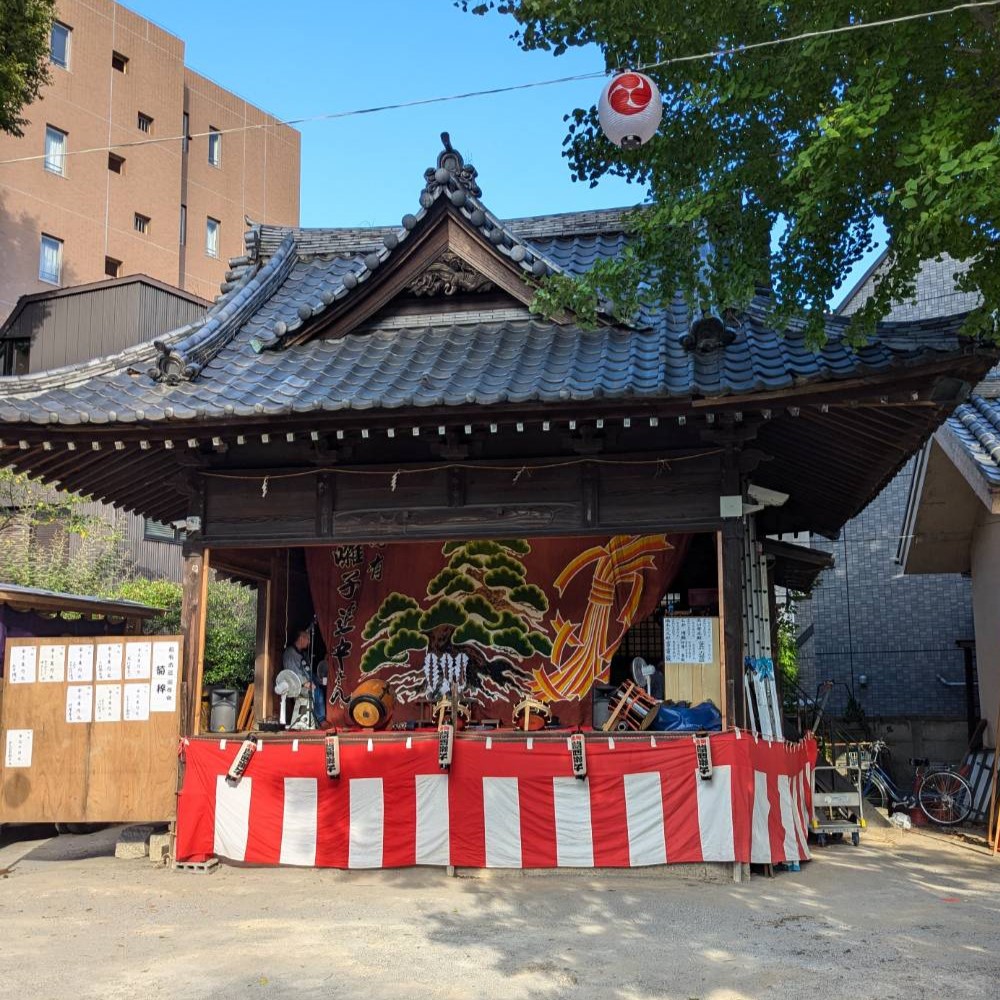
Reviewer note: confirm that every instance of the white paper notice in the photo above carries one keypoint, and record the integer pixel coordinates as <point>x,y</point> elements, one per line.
<point>688,640</point>
<point>138,657</point>
<point>109,661</point>
<point>81,664</point>
<point>163,687</point>
<point>79,703</point>
<point>136,702</point>
<point>18,751</point>
<point>23,660</point>
<point>52,664</point>
<point>108,703</point>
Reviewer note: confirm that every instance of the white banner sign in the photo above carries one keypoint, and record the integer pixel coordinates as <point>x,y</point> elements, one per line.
<point>18,749</point>
<point>688,640</point>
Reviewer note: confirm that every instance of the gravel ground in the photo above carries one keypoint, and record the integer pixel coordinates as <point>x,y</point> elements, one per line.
<point>904,915</point>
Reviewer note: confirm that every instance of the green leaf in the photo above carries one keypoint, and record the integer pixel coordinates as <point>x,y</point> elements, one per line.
<point>444,612</point>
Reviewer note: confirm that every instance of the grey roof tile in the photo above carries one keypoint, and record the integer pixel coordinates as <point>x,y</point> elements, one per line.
<point>976,425</point>
<point>235,363</point>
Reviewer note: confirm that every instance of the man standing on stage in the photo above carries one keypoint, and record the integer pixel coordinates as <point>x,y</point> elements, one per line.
<point>294,658</point>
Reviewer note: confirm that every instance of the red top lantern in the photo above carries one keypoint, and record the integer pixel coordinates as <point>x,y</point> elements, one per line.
<point>630,109</point>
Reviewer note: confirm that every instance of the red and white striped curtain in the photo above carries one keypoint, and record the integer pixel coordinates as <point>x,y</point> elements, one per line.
<point>502,804</point>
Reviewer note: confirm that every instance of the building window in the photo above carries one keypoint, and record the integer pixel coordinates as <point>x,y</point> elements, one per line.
<point>145,123</point>
<point>185,131</point>
<point>50,260</point>
<point>212,227</point>
<point>116,163</point>
<point>59,44</point>
<point>14,356</point>
<point>214,147</point>
<point>55,150</point>
<point>112,267</point>
<point>119,62</point>
<point>140,223</point>
<point>157,531</point>
<point>182,235</point>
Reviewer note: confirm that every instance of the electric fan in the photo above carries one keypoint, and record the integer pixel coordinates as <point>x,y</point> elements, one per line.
<point>289,684</point>
<point>642,674</point>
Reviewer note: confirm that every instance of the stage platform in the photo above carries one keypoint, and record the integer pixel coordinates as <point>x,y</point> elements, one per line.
<point>508,800</point>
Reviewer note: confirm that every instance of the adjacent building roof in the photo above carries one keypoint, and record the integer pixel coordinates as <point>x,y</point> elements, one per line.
<point>69,291</point>
<point>976,424</point>
<point>53,602</point>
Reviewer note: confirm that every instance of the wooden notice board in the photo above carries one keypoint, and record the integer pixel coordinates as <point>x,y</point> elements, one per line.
<point>692,655</point>
<point>89,729</point>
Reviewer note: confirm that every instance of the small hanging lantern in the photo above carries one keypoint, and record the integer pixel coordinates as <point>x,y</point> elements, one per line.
<point>630,109</point>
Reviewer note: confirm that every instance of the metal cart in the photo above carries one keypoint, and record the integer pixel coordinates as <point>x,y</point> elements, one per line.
<point>838,799</point>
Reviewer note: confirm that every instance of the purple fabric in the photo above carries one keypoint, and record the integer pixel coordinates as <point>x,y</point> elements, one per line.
<point>27,624</point>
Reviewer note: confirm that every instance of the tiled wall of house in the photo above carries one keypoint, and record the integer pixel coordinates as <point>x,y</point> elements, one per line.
<point>865,618</point>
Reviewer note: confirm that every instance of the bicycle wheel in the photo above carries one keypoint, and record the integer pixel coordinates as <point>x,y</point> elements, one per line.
<point>945,797</point>
<point>875,793</point>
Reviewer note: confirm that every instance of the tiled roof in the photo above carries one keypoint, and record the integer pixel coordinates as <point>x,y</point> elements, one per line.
<point>453,364</point>
<point>976,424</point>
<point>240,361</point>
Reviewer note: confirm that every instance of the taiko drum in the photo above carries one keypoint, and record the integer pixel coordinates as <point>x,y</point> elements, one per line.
<point>371,704</point>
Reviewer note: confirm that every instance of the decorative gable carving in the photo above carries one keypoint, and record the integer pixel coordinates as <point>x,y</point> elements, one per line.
<point>449,275</point>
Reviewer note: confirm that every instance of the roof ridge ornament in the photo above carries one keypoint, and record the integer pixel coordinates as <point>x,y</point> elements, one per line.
<point>450,167</point>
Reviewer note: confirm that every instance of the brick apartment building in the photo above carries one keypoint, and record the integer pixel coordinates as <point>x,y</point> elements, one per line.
<point>173,210</point>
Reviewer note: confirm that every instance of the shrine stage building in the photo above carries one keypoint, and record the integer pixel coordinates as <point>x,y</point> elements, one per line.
<point>371,427</point>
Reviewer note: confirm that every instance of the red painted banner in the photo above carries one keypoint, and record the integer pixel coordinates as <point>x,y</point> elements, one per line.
<point>513,804</point>
<point>501,619</point>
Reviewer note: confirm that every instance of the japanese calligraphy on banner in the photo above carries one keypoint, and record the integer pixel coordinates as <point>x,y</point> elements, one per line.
<point>81,663</point>
<point>136,702</point>
<point>109,661</point>
<point>108,703</point>
<point>538,617</point>
<point>688,640</point>
<point>17,752</point>
<point>163,687</point>
<point>138,661</point>
<point>52,664</point>
<point>23,661</point>
<point>80,703</point>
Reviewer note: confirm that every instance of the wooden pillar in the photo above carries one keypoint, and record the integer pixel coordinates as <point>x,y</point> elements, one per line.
<point>731,596</point>
<point>272,625</point>
<point>194,608</point>
<point>262,666</point>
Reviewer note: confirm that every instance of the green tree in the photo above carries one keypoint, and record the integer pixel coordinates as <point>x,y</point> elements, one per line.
<point>230,625</point>
<point>55,540</point>
<point>812,142</point>
<point>24,53</point>
<point>478,604</point>
<point>59,541</point>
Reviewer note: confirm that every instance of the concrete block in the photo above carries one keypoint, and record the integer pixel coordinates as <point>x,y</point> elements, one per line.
<point>130,850</point>
<point>159,848</point>
<point>133,842</point>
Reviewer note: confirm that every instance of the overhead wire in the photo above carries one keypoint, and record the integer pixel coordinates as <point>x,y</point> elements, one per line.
<point>511,88</point>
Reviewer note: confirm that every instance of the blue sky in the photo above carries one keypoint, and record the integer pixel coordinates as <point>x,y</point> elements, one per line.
<point>306,57</point>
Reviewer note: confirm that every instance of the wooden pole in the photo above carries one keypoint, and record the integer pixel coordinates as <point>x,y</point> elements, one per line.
<point>262,655</point>
<point>731,598</point>
<point>200,640</point>
<point>193,597</point>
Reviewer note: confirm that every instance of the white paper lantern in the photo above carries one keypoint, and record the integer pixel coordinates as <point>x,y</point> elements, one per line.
<point>630,109</point>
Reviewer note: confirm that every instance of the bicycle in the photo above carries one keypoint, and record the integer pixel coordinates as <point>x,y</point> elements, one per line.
<point>942,794</point>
